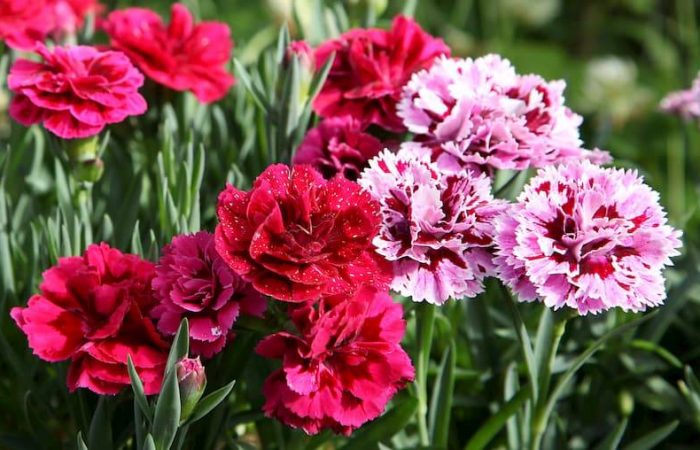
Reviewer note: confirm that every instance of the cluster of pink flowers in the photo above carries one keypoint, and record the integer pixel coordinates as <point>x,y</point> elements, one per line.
<point>78,90</point>
<point>352,219</point>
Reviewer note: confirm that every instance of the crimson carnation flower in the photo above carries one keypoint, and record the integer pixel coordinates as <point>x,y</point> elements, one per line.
<point>296,236</point>
<point>437,227</point>
<point>23,23</point>
<point>93,309</point>
<point>183,56</point>
<point>588,238</point>
<point>193,281</point>
<point>76,91</point>
<point>341,367</point>
<point>370,68</point>
<point>338,145</point>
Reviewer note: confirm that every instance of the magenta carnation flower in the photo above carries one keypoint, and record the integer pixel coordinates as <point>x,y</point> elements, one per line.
<point>342,364</point>
<point>338,145</point>
<point>76,91</point>
<point>436,226</point>
<point>480,112</point>
<point>586,237</point>
<point>684,103</point>
<point>193,281</point>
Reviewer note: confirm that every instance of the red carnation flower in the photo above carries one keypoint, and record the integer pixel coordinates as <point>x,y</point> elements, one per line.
<point>343,366</point>
<point>193,281</point>
<point>296,236</point>
<point>93,309</point>
<point>370,68</point>
<point>183,56</point>
<point>338,145</point>
<point>76,91</point>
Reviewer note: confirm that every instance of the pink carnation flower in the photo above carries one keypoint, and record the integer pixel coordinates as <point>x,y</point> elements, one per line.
<point>370,68</point>
<point>588,238</point>
<point>684,103</point>
<point>480,112</point>
<point>338,145</point>
<point>341,366</point>
<point>436,226</point>
<point>183,55</point>
<point>76,91</point>
<point>193,281</point>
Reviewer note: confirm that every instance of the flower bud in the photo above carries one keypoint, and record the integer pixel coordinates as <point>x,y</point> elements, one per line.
<point>307,66</point>
<point>192,381</point>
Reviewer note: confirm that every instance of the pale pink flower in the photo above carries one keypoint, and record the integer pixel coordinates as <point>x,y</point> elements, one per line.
<point>586,237</point>
<point>684,103</point>
<point>436,226</point>
<point>481,112</point>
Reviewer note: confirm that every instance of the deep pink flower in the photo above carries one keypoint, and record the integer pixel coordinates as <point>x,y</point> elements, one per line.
<point>296,236</point>
<point>370,68</point>
<point>684,103</point>
<point>193,282</point>
<point>93,309</point>
<point>437,227</point>
<point>588,238</point>
<point>24,23</point>
<point>76,91</point>
<point>183,56</point>
<point>342,364</point>
<point>338,145</point>
<point>480,112</point>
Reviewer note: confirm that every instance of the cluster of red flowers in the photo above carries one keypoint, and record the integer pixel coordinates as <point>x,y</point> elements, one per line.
<point>77,90</point>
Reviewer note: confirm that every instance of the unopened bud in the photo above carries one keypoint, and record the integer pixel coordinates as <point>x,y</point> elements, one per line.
<point>626,402</point>
<point>192,381</point>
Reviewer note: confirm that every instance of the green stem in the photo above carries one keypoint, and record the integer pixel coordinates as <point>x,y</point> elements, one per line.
<point>425,320</point>
<point>540,416</point>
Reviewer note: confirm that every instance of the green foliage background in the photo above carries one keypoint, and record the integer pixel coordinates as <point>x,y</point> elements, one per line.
<point>164,170</point>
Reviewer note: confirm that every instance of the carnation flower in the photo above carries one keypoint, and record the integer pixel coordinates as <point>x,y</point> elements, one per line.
<point>684,103</point>
<point>480,112</point>
<point>436,226</point>
<point>193,282</point>
<point>588,238</point>
<point>183,56</point>
<point>25,23</point>
<point>338,145</point>
<point>341,366</point>
<point>369,69</point>
<point>93,309</point>
<point>76,91</point>
<point>296,236</point>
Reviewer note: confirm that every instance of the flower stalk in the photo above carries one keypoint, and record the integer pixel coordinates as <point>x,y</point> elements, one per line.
<point>425,321</point>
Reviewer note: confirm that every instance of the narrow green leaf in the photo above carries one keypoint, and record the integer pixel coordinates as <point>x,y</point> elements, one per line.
<point>496,422</point>
<point>167,414</point>
<point>100,434</point>
<point>441,404</point>
<point>652,347</point>
<point>283,40</point>
<point>256,94</point>
<point>692,380</point>
<point>544,339</point>
<point>320,77</point>
<point>383,428</point>
<point>80,443</point>
<point>511,387</point>
<point>137,387</point>
<point>651,439</point>
<point>136,246</point>
<point>211,401</point>
<point>180,347</point>
<point>612,441</point>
